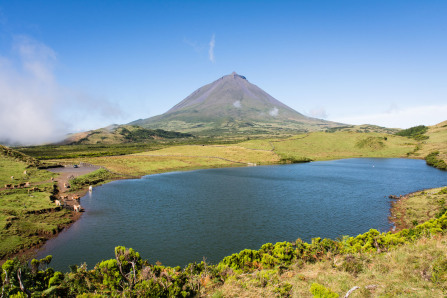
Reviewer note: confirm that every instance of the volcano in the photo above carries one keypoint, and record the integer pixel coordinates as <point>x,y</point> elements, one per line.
<point>233,105</point>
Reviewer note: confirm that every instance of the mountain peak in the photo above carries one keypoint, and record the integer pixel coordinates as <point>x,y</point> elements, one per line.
<point>235,75</point>
<point>229,104</point>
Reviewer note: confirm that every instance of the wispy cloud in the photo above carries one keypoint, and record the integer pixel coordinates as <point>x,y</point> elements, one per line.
<point>318,112</point>
<point>211,49</point>
<point>401,118</point>
<point>193,44</point>
<point>237,104</point>
<point>274,112</point>
<point>34,107</point>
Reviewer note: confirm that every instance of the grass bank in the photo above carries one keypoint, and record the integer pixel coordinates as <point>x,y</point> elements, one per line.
<point>27,214</point>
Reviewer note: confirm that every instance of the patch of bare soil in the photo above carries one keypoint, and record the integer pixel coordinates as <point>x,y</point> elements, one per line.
<point>65,174</point>
<point>399,212</point>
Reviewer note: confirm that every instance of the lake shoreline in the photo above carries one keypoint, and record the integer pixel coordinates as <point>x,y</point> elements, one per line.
<point>406,211</point>
<point>34,250</point>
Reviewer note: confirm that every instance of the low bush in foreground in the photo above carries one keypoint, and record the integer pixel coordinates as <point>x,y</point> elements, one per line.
<point>131,276</point>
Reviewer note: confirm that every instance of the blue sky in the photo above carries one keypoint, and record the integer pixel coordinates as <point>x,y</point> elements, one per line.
<point>68,66</point>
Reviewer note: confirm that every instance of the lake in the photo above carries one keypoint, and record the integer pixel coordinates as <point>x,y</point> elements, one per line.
<point>180,217</point>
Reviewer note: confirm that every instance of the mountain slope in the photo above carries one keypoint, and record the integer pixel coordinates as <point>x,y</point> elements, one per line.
<point>118,134</point>
<point>233,105</point>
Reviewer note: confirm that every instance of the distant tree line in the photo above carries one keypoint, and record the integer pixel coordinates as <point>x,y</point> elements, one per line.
<point>141,134</point>
<point>415,132</point>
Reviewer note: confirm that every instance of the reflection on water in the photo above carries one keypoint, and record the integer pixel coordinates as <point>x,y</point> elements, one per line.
<point>177,218</point>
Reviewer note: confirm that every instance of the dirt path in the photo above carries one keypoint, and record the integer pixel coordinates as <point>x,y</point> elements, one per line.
<point>65,174</point>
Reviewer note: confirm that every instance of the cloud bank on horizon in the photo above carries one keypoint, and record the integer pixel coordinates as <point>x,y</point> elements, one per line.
<point>401,118</point>
<point>28,94</point>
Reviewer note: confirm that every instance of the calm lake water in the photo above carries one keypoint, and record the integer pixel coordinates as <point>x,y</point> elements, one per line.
<point>178,218</point>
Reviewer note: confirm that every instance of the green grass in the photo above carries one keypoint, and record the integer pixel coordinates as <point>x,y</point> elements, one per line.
<point>25,217</point>
<point>74,151</point>
<point>18,201</point>
<point>437,140</point>
<point>97,177</point>
<point>10,167</point>
<point>419,207</point>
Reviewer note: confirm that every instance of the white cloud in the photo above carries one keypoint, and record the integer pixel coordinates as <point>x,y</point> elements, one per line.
<point>211,49</point>
<point>193,44</point>
<point>401,118</point>
<point>274,112</point>
<point>318,113</point>
<point>34,108</point>
<point>237,104</point>
<point>28,94</point>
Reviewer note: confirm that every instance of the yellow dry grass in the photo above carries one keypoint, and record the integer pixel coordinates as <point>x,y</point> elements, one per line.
<point>437,141</point>
<point>342,144</point>
<point>407,271</point>
<point>231,152</point>
<point>180,158</point>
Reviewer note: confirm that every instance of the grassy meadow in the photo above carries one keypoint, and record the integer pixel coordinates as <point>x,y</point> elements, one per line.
<point>144,159</point>
<point>137,159</point>
<point>179,158</point>
<point>337,145</point>
<point>437,141</point>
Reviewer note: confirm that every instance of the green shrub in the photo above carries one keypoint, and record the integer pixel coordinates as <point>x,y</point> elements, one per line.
<point>110,274</point>
<point>416,132</point>
<point>320,291</point>
<point>283,290</point>
<point>433,160</point>
<point>288,159</point>
<point>352,264</point>
<point>372,143</point>
<point>439,274</point>
<point>93,178</point>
